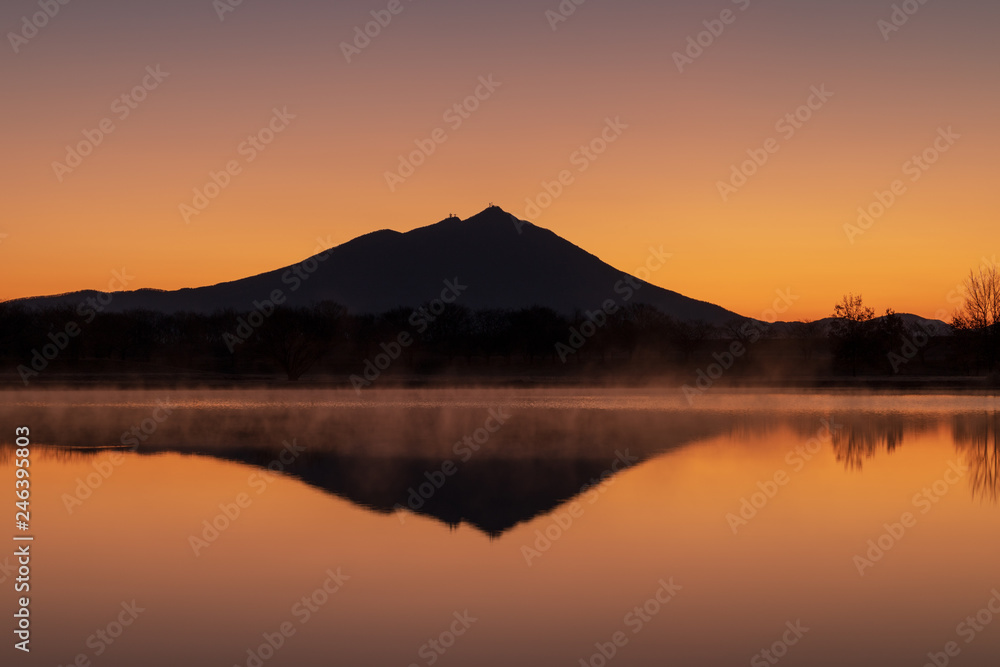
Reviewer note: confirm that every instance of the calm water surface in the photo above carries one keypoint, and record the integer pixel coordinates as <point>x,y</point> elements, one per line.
<point>509,528</point>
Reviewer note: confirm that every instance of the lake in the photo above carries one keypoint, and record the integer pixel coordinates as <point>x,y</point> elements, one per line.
<point>500,527</point>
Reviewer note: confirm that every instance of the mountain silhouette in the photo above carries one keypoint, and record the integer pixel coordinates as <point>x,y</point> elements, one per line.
<point>502,262</point>
<point>503,489</point>
<point>492,496</point>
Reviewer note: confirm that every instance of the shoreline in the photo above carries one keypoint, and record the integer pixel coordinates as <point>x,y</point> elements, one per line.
<point>927,384</point>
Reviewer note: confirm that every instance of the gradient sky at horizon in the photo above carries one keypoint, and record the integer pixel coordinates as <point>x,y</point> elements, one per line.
<point>323,177</point>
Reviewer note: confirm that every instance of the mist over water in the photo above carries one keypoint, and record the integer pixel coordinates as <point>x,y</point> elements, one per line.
<point>546,514</point>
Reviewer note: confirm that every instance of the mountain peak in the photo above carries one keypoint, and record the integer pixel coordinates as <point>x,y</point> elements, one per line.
<point>494,216</point>
<point>506,263</point>
<point>492,212</point>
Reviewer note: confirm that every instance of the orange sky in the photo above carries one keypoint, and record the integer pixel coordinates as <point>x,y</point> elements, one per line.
<point>324,175</point>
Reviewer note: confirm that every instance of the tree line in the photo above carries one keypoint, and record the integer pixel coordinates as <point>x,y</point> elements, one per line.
<point>860,341</point>
<point>327,339</point>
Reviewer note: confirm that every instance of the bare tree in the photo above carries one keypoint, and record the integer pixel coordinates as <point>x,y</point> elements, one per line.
<point>979,316</point>
<point>851,310</point>
<point>851,330</point>
<point>981,309</point>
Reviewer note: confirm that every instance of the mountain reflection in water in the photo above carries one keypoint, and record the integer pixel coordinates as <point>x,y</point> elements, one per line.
<point>437,459</point>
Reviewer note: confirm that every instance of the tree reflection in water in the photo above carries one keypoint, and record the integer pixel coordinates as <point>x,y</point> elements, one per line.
<point>976,437</point>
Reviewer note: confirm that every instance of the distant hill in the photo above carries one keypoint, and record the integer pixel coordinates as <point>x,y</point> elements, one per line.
<point>503,262</point>
<point>822,327</point>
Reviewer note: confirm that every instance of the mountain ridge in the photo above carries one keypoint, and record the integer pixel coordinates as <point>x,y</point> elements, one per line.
<point>507,263</point>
